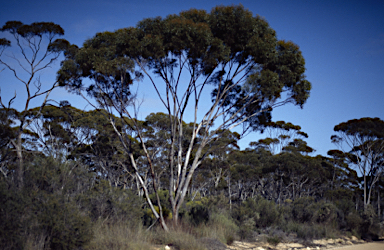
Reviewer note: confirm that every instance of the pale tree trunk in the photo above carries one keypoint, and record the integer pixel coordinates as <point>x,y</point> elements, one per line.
<point>20,166</point>
<point>365,193</point>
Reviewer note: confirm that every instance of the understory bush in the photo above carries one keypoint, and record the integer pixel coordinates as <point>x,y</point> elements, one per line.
<point>105,202</point>
<point>220,226</point>
<point>44,214</point>
<point>255,213</point>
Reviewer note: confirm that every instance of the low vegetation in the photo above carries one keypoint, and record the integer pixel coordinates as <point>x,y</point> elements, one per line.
<point>62,206</point>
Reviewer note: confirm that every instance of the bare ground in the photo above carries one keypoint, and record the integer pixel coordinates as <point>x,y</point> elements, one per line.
<point>318,245</point>
<point>367,246</point>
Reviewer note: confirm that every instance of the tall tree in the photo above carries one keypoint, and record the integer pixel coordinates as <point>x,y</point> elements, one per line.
<point>363,140</point>
<point>227,53</point>
<point>38,51</point>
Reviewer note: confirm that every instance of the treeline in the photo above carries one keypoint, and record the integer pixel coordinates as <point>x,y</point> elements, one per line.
<point>77,175</point>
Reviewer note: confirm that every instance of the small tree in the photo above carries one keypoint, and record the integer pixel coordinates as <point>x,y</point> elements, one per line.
<point>364,141</point>
<point>228,53</point>
<point>38,51</point>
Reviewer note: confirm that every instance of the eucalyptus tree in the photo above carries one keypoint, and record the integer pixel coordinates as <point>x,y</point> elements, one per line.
<point>247,173</point>
<point>342,175</point>
<point>38,50</point>
<point>58,129</point>
<point>362,140</point>
<point>280,134</point>
<point>227,54</point>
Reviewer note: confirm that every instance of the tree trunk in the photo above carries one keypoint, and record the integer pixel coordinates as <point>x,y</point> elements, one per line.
<point>20,166</point>
<point>365,192</point>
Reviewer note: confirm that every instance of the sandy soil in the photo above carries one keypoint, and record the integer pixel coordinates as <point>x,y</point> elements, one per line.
<point>366,246</point>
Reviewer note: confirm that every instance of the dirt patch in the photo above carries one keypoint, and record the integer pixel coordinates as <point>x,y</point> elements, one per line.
<point>315,244</point>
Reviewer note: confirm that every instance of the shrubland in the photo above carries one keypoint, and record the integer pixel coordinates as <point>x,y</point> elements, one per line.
<point>63,206</point>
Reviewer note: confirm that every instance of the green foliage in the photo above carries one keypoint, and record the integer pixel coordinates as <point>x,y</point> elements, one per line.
<point>259,212</point>
<point>67,227</point>
<point>369,228</point>
<point>12,205</point>
<point>303,210</point>
<point>325,213</point>
<point>198,212</point>
<point>222,227</point>
<point>35,29</point>
<point>310,231</point>
<point>148,217</point>
<point>274,240</point>
<point>307,210</point>
<point>112,203</point>
<point>354,222</point>
<point>48,208</point>
<point>268,212</point>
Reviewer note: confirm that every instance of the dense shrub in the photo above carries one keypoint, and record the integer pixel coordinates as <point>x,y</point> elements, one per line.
<point>222,227</point>
<point>324,212</point>
<point>103,201</point>
<point>370,228</point>
<point>268,212</point>
<point>198,214</point>
<point>354,222</point>
<point>12,206</point>
<point>44,213</point>
<point>303,209</point>
<point>67,227</point>
<point>260,212</point>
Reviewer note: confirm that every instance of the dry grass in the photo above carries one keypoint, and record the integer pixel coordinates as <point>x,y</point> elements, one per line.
<point>119,236</point>
<point>123,236</point>
<point>177,238</point>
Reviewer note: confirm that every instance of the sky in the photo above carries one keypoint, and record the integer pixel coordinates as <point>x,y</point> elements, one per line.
<point>342,43</point>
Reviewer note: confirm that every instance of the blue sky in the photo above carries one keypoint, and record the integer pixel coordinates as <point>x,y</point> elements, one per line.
<point>342,43</point>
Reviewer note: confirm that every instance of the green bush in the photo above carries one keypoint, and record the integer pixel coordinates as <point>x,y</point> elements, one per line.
<point>303,209</point>
<point>12,224</point>
<point>260,212</point>
<point>370,228</point>
<point>324,212</point>
<point>68,228</point>
<point>309,231</point>
<point>196,212</point>
<point>199,214</point>
<point>268,213</point>
<point>224,227</point>
<point>104,201</point>
<point>353,221</point>
<point>273,240</point>
<point>44,214</point>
